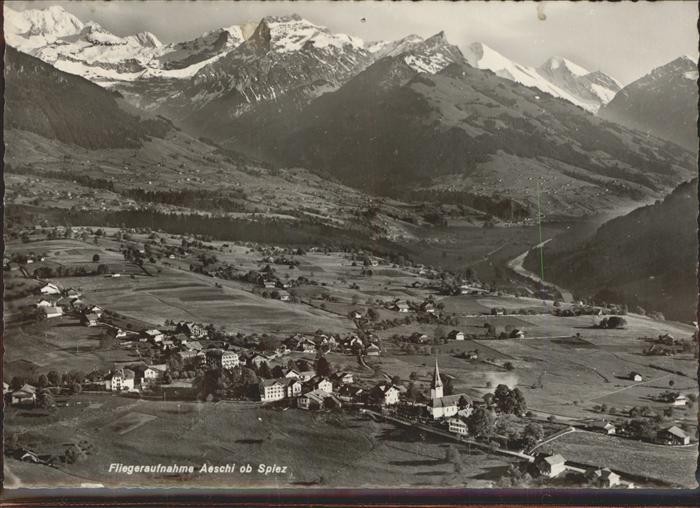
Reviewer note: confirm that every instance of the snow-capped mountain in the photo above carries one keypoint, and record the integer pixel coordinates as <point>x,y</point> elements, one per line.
<point>558,77</point>
<point>662,103</point>
<point>88,50</point>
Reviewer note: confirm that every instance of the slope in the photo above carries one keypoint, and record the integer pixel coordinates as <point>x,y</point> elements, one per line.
<point>391,129</point>
<point>57,105</point>
<point>663,103</point>
<point>613,267</point>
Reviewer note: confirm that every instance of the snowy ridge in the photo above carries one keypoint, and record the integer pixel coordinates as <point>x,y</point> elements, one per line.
<point>291,33</point>
<point>88,50</point>
<point>558,76</point>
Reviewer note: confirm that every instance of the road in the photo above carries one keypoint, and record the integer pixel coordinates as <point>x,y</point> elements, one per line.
<point>516,264</point>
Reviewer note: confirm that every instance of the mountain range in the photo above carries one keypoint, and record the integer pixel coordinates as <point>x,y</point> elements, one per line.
<point>89,50</point>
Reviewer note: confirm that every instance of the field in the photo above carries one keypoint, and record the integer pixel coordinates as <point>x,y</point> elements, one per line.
<point>672,464</point>
<point>360,452</point>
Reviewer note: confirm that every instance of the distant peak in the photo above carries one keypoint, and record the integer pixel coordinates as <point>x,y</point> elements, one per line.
<point>282,19</point>
<point>147,39</point>
<point>439,37</point>
<point>559,62</point>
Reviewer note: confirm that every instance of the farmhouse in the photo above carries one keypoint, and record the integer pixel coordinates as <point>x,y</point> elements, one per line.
<point>149,375</point>
<point>318,399</point>
<point>50,289</point>
<point>517,334</point>
<point>603,477</point>
<point>455,335</point>
<point>257,360</point>
<point>25,395</point>
<point>386,394</point>
<point>191,329</point>
<point>372,350</point>
<point>343,378</point>
<point>319,383</point>
<point>193,358</point>
<point>120,380</point>
<point>428,307</point>
<point>550,465</point>
<point>283,295</point>
<point>52,312</point>
<point>44,303</point>
<point>680,400</point>
<point>292,387</point>
<point>349,393</point>
<point>458,426</point>
<point>635,376</point>
<point>673,436</point>
<point>154,335</point>
<point>401,306</point>
<point>89,319</point>
<point>291,373</point>
<point>603,426</point>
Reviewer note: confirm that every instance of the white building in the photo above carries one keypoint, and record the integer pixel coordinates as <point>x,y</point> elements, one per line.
<point>120,380</point>
<point>272,390</point>
<point>458,426</point>
<point>50,289</point>
<point>52,312</point>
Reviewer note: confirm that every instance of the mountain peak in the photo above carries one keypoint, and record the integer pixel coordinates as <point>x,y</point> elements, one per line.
<point>148,40</point>
<point>559,63</point>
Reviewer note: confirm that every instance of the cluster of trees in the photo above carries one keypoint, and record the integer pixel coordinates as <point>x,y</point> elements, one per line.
<point>612,322</point>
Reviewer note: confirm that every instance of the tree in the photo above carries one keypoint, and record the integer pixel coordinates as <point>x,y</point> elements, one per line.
<point>96,258</point>
<point>323,367</point>
<point>413,376</point>
<point>264,371</point>
<point>77,388</point>
<point>54,378</point>
<point>447,385</point>
<point>480,422</point>
<point>531,435</point>
<point>42,381</point>
<point>45,400</point>
<point>16,383</point>
<point>508,366</point>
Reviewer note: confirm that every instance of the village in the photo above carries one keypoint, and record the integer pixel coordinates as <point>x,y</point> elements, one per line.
<point>426,358</point>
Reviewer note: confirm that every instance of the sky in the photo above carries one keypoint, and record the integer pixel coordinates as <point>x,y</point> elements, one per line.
<point>623,39</point>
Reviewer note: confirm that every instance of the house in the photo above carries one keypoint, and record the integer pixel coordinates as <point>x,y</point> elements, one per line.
<point>194,345</point>
<point>349,393</point>
<point>680,400</point>
<point>89,319</point>
<point>271,390</point>
<point>343,378</point>
<point>455,335</point>
<point>458,426</point>
<point>220,359</point>
<point>191,329</point>
<point>257,360</point>
<point>401,306</point>
<point>428,307</point>
<point>73,293</point>
<point>356,314</point>
<point>120,380</point>
<point>283,295</point>
<point>154,335</point>
<point>372,350</point>
<point>673,436</point>
<point>192,358</point>
<point>50,289</point>
<point>549,465</point>
<point>305,375</point>
<point>93,308</point>
<point>318,399</point>
<point>635,376</point>
<point>292,387</point>
<point>603,426</point>
<point>472,355</point>
<point>386,394</point>
<point>306,345</point>
<point>319,383</point>
<point>269,284</point>
<point>44,303</point>
<point>291,374</point>
<point>603,477</point>
<point>5,388</point>
<point>119,333</point>
<point>25,395</point>
<point>152,373</point>
<point>517,334</point>
<point>52,312</point>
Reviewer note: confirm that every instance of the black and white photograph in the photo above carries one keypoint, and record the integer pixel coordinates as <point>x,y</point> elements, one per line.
<point>350,245</point>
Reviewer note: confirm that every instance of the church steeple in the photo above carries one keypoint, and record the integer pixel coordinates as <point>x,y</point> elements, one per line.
<point>436,385</point>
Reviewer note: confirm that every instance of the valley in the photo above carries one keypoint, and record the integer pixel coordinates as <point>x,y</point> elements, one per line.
<point>406,262</point>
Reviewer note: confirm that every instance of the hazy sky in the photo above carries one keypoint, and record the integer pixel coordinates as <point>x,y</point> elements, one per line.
<point>623,39</point>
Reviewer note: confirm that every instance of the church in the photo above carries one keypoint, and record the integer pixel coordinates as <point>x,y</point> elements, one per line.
<point>440,405</point>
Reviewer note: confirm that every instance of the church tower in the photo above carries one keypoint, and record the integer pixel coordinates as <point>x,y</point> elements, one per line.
<point>436,385</point>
